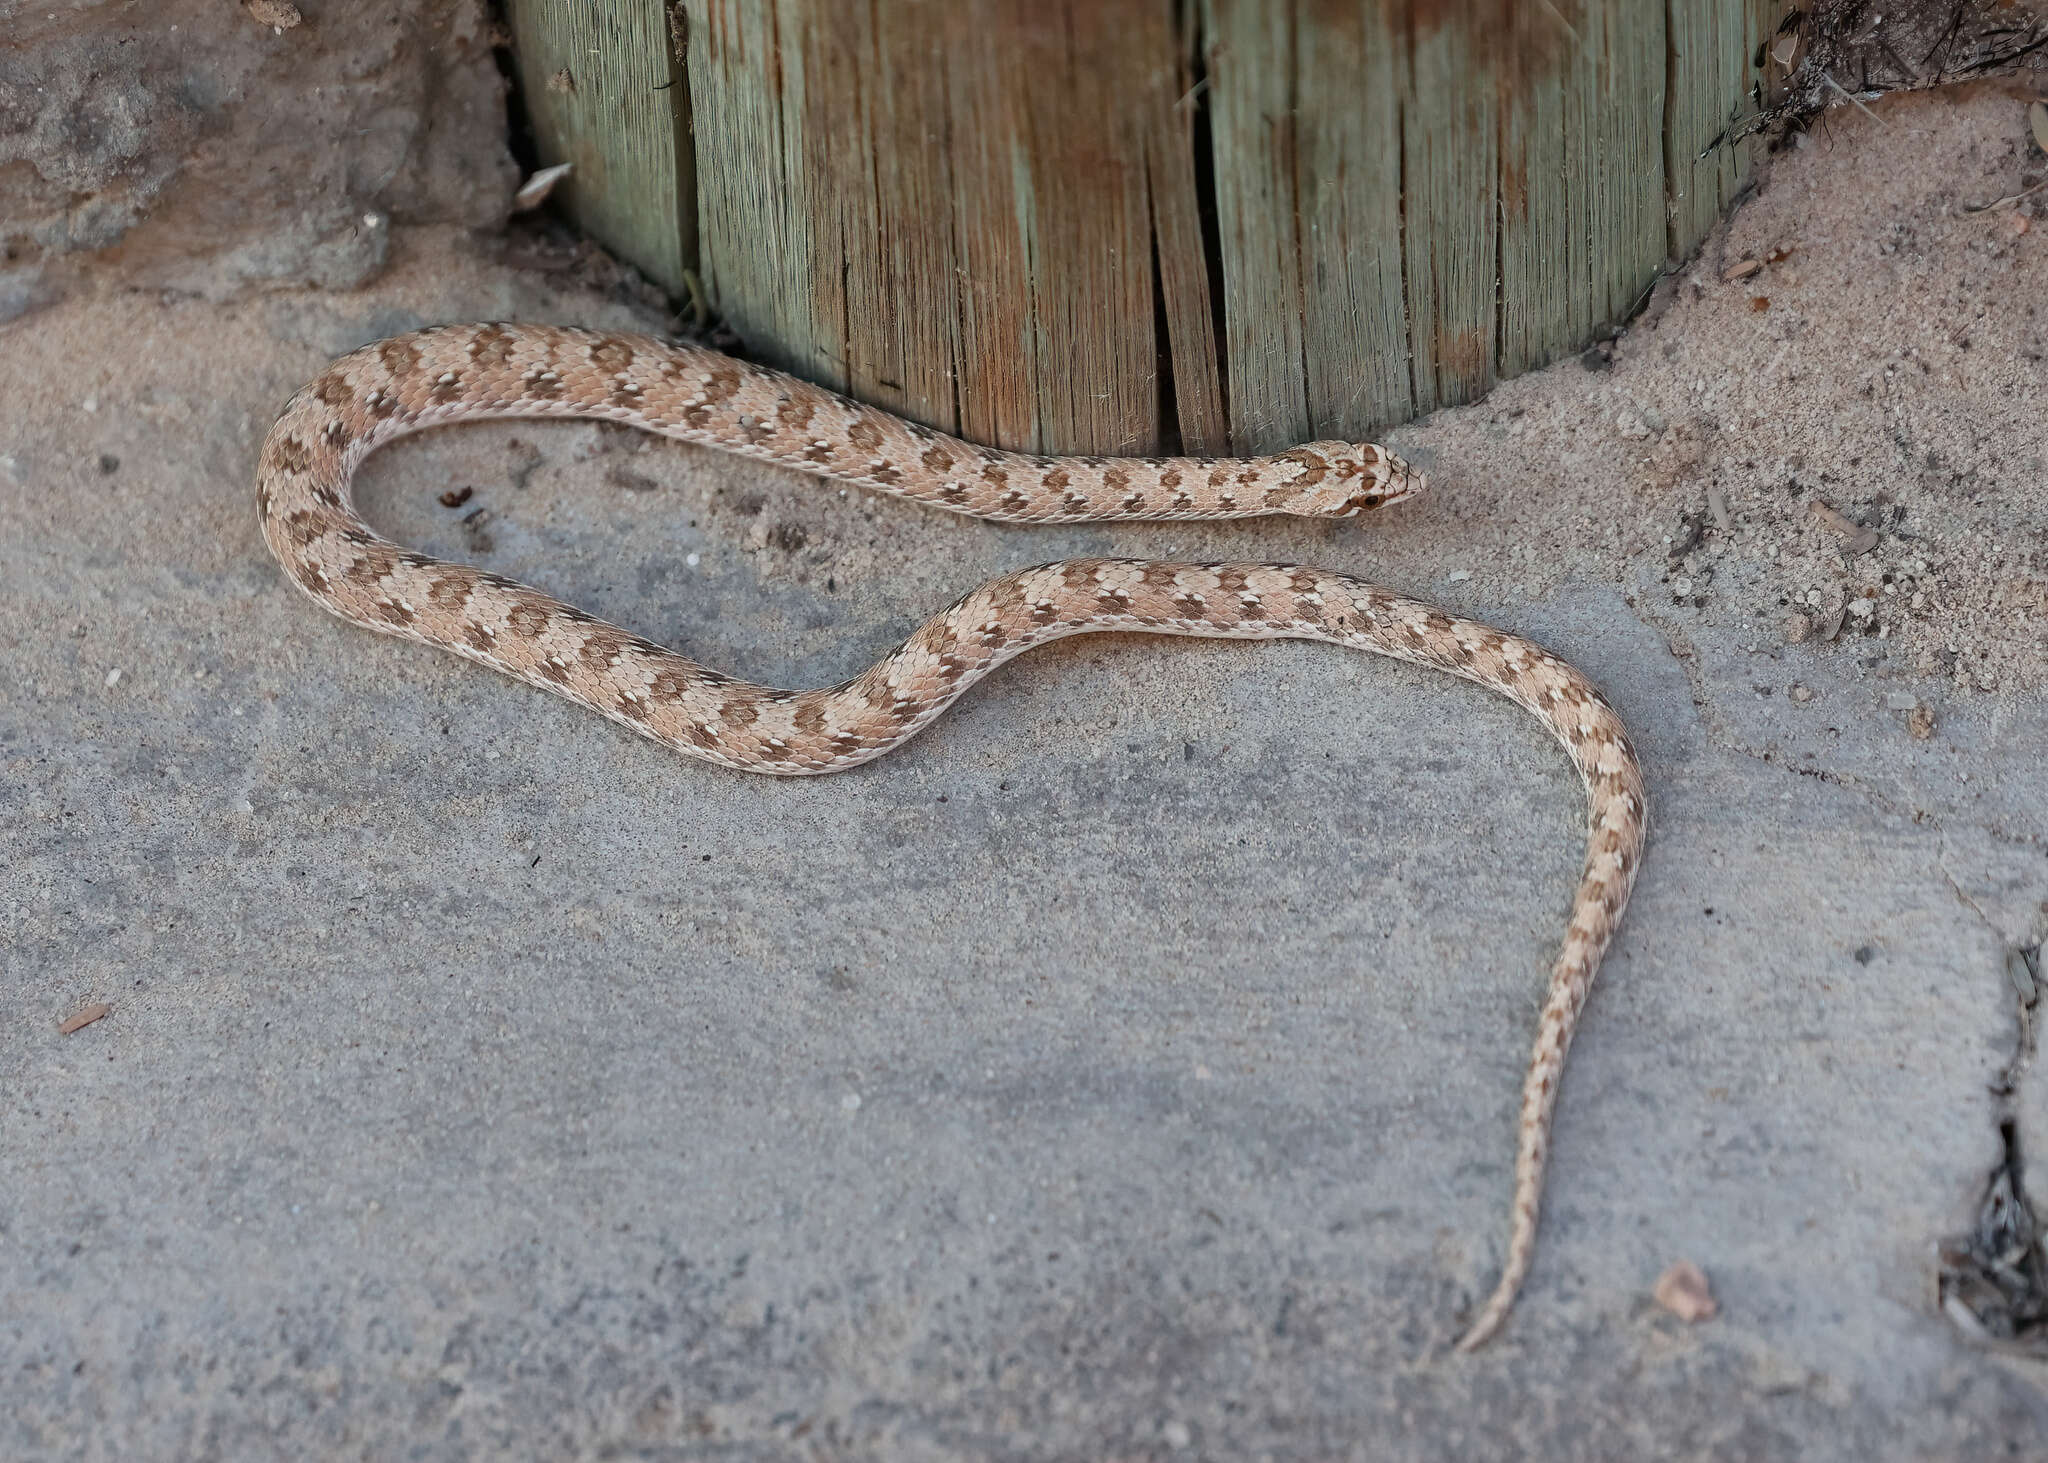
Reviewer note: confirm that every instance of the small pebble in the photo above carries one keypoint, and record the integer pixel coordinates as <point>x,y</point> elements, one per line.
<point>1856,539</point>
<point>693,560</point>
<point>1920,723</point>
<point>850,1102</point>
<point>1901,700</point>
<point>1175,1435</point>
<point>1797,628</point>
<point>1801,694</point>
<point>1459,576</point>
<point>1681,587</point>
<point>1683,1291</point>
<point>1861,609</point>
<point>113,678</point>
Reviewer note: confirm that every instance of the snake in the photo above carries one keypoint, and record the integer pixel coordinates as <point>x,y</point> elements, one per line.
<point>499,370</point>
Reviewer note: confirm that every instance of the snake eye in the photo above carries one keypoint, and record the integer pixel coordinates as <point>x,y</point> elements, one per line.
<point>1373,500</point>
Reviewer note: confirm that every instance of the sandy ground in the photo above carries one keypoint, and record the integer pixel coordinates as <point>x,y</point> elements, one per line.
<point>484,1081</point>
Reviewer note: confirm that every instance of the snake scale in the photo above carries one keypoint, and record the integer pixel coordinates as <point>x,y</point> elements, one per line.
<point>472,372</point>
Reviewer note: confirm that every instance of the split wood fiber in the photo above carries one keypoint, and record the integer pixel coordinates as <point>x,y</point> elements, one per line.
<point>1133,226</point>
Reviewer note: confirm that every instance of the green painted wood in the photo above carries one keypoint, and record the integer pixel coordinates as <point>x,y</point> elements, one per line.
<point>1143,225</point>
<point>1192,363</point>
<point>601,84</point>
<point>1450,174</point>
<point>1348,181</point>
<point>1632,220</point>
<point>1542,316</point>
<point>951,210</point>
<point>1712,46</point>
<point>1509,164</point>
<point>755,187</point>
<point>1252,77</point>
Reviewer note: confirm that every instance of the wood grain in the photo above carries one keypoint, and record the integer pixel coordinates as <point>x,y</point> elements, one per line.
<point>602,90</point>
<point>1131,226</point>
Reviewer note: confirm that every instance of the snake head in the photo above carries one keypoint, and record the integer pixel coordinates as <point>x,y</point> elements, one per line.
<point>1344,479</point>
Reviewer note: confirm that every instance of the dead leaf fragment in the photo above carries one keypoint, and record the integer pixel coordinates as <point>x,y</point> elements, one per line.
<point>1856,539</point>
<point>1920,723</point>
<point>1743,270</point>
<point>2037,119</point>
<point>278,13</point>
<point>82,1019</point>
<point>534,191</point>
<point>1683,1291</point>
<point>2022,968</point>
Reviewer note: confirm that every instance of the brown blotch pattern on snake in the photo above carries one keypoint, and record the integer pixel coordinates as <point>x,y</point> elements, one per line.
<point>508,371</point>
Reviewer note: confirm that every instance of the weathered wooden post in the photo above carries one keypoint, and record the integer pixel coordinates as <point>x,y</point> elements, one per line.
<point>1127,226</point>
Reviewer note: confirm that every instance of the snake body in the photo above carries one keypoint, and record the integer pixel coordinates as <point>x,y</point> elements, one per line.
<point>472,372</point>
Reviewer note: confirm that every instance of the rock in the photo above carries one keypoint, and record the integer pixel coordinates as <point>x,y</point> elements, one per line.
<point>150,146</point>
<point>1683,1291</point>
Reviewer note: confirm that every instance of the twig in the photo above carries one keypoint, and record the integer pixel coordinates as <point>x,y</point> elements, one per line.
<point>1851,96</point>
<point>1947,43</point>
<point>2005,202</point>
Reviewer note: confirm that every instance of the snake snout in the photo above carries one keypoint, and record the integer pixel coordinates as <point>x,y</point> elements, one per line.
<point>1402,480</point>
<point>1344,479</point>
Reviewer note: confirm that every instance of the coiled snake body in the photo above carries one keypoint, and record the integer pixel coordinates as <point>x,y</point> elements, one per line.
<point>459,373</point>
